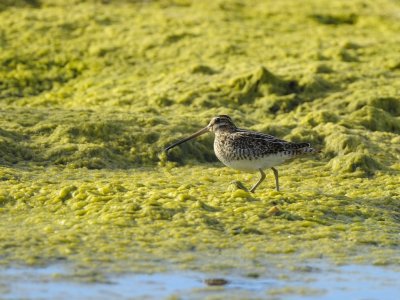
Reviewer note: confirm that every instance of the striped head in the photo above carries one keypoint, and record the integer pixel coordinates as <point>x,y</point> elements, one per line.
<point>221,123</point>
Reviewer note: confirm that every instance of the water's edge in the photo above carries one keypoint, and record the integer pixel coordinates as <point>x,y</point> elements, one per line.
<point>307,281</point>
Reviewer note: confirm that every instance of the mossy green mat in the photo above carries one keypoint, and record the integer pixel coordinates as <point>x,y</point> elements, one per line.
<point>92,91</point>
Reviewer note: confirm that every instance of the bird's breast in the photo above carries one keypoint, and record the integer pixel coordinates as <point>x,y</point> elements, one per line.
<point>223,148</point>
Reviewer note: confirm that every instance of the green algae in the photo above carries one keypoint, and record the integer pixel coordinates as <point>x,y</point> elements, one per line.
<point>91,92</point>
<point>130,219</point>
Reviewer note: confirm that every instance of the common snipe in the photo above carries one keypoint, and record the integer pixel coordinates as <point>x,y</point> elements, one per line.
<point>247,150</point>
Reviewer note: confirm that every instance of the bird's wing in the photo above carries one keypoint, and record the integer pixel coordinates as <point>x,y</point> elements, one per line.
<point>262,144</point>
<point>258,135</point>
<point>258,143</point>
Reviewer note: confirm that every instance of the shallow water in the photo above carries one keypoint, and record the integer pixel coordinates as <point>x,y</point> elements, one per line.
<point>91,91</point>
<point>318,281</point>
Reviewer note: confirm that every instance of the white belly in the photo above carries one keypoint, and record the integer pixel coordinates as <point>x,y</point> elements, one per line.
<point>255,164</point>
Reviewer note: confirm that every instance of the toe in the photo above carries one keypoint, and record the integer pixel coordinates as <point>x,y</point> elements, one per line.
<point>239,185</point>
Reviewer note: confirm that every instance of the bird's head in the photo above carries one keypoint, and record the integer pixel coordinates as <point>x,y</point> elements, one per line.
<point>221,123</point>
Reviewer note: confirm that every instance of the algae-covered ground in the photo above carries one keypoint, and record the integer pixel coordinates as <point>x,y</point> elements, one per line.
<point>92,91</point>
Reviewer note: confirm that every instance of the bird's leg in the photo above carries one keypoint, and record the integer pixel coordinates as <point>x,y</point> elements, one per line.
<point>276,178</point>
<point>259,181</point>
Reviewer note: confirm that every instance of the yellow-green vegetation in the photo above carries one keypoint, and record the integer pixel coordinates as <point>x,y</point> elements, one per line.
<point>91,92</point>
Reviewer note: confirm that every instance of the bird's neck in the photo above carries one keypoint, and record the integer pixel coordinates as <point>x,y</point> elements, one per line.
<point>225,130</point>
<point>222,135</point>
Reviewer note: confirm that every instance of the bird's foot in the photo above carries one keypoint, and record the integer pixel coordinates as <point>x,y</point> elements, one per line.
<point>238,185</point>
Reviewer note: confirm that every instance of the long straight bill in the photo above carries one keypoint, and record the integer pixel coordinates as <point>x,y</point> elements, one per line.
<point>196,134</point>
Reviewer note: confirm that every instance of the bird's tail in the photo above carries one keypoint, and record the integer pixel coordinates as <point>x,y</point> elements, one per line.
<point>303,148</point>
<point>310,150</point>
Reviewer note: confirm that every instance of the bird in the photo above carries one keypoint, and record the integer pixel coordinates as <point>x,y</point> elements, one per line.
<point>247,150</point>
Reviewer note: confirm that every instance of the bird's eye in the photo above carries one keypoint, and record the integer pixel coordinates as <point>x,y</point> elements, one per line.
<point>217,120</point>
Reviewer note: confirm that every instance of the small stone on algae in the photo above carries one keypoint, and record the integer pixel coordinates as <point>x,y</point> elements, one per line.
<point>274,211</point>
